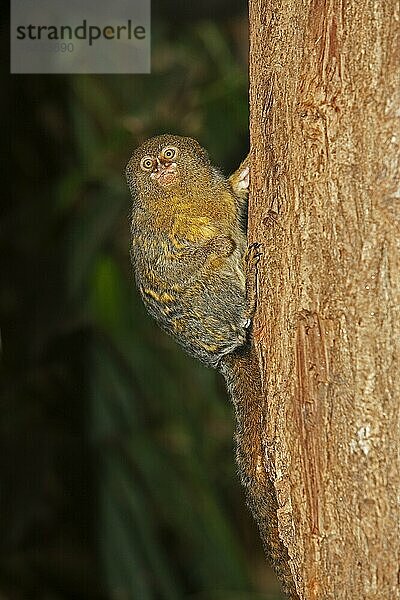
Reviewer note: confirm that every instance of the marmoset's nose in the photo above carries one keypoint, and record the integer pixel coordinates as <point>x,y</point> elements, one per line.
<point>162,162</point>
<point>158,166</point>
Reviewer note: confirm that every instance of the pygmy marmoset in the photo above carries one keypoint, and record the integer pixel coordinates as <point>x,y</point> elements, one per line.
<point>189,248</point>
<point>197,278</point>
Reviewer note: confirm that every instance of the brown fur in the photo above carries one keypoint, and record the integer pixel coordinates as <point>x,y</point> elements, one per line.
<point>188,245</point>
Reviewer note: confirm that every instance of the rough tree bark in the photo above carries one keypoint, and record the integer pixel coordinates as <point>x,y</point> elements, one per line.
<point>325,148</point>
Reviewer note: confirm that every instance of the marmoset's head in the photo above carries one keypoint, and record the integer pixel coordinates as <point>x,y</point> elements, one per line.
<point>165,163</point>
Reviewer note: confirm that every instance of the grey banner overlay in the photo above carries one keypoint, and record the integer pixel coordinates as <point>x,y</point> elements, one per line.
<point>80,36</point>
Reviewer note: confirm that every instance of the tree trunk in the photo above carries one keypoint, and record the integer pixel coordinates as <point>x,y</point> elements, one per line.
<point>324,147</point>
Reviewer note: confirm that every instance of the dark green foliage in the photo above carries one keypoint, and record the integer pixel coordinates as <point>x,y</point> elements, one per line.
<point>116,449</point>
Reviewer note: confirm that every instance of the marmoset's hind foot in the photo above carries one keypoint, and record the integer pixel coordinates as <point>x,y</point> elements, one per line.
<point>250,259</point>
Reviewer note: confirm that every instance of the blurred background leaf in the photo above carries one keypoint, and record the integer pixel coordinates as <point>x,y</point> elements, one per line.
<point>118,473</point>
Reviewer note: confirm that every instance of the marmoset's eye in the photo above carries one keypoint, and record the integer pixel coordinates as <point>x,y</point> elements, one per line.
<point>146,163</point>
<point>170,153</point>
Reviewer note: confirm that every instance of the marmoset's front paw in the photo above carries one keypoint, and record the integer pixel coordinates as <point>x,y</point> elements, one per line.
<point>240,180</point>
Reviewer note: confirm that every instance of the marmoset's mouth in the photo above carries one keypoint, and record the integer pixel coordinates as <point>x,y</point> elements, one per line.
<point>166,174</point>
